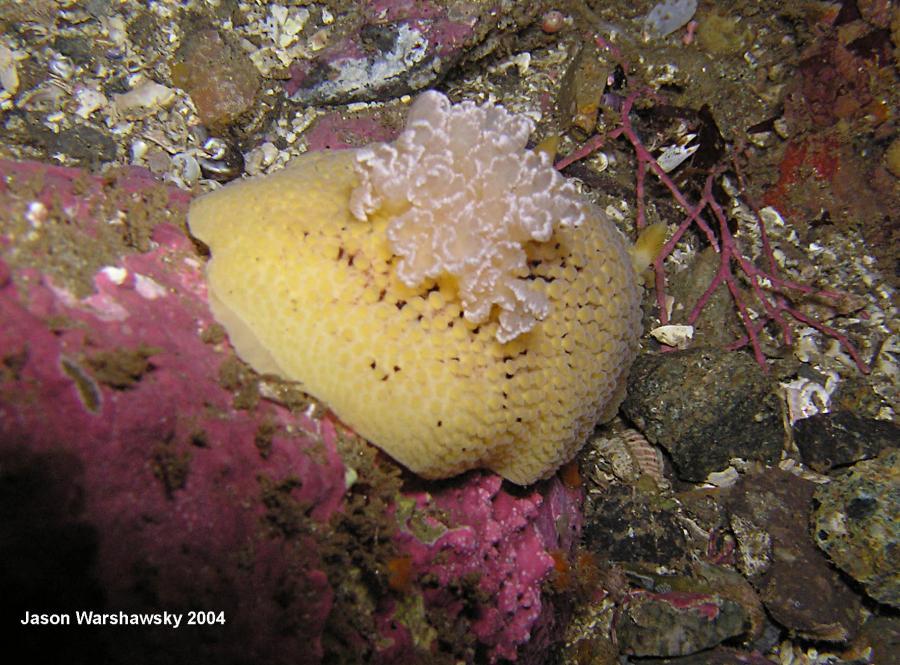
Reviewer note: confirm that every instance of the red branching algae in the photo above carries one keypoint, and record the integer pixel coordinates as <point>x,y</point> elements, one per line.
<point>773,292</point>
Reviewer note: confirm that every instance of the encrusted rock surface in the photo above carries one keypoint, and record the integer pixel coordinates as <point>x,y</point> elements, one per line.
<point>829,440</point>
<point>801,591</point>
<point>678,623</point>
<point>857,523</point>
<point>627,524</point>
<point>220,79</point>
<point>396,48</point>
<point>705,407</point>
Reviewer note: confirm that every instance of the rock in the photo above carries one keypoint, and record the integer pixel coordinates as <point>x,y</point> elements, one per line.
<point>81,144</point>
<point>676,615</point>
<point>678,623</point>
<point>705,407</point>
<point>336,131</point>
<point>882,635</point>
<point>391,48</point>
<point>857,523</point>
<point>623,523</point>
<point>798,587</point>
<point>158,490</point>
<point>829,440</point>
<point>504,542</point>
<point>220,79</point>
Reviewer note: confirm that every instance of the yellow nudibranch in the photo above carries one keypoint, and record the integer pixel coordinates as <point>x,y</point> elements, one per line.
<point>449,296</point>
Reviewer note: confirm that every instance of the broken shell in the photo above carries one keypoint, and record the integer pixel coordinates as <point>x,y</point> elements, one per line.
<point>147,95</point>
<point>138,149</point>
<point>62,67</point>
<point>216,148</point>
<point>668,16</point>
<point>89,100</point>
<point>806,398</point>
<point>261,157</point>
<point>674,335</point>
<point>674,155</point>
<point>46,96</point>
<point>724,478</point>
<point>224,162</point>
<point>9,76</point>
<point>185,169</point>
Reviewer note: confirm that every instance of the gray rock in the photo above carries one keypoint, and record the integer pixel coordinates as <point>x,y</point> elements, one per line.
<point>857,522</point>
<point>800,589</point>
<point>829,440</point>
<point>705,407</point>
<point>678,623</point>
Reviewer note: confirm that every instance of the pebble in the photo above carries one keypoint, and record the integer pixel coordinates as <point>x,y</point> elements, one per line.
<point>220,79</point>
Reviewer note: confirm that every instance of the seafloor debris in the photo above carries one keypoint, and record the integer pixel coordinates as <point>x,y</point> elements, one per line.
<point>770,291</point>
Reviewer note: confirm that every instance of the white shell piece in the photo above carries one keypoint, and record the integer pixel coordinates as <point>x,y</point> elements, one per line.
<point>186,169</point>
<point>771,217</point>
<point>667,16</point>
<point>89,100</point>
<point>724,478</point>
<point>115,274</point>
<point>674,335</point>
<point>676,154</point>
<point>148,94</point>
<point>62,67</point>
<point>139,148</point>
<point>805,398</point>
<point>148,288</point>
<point>36,214</point>
<point>9,76</point>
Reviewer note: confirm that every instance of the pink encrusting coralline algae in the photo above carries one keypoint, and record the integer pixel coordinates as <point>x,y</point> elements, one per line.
<point>136,483</point>
<point>505,540</point>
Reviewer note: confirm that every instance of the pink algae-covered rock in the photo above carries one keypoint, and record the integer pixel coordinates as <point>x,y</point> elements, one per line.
<point>506,540</point>
<point>478,557</point>
<point>130,482</point>
<point>158,491</point>
<point>334,131</point>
